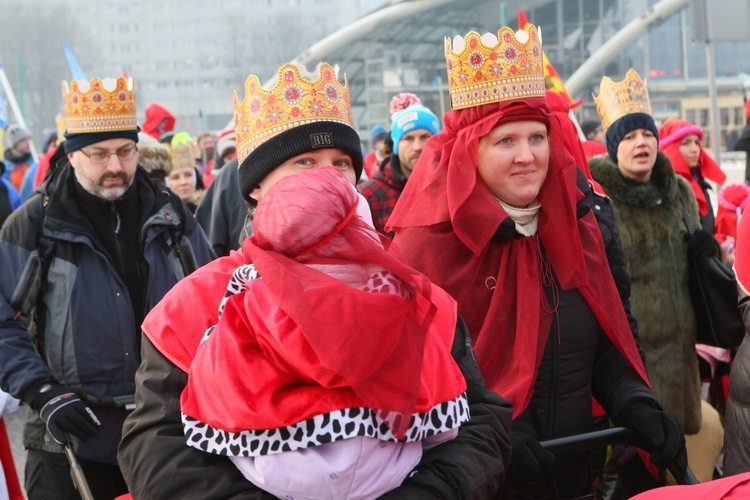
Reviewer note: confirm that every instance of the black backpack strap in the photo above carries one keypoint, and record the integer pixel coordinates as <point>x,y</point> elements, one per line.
<point>183,250</point>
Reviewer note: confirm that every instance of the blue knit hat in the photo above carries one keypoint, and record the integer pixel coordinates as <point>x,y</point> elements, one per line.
<point>626,124</point>
<point>415,117</point>
<point>377,133</point>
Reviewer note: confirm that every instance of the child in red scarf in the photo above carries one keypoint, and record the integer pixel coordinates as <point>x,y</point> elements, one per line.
<point>345,372</point>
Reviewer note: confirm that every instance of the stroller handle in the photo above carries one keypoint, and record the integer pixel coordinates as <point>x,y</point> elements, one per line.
<point>615,435</point>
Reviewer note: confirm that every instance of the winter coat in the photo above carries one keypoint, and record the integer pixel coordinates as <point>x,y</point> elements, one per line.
<point>88,333</point>
<point>9,199</point>
<point>382,192</point>
<point>579,361</point>
<point>737,416</point>
<point>222,212</point>
<point>743,144</point>
<point>157,463</point>
<point>708,221</point>
<point>652,230</point>
<point>16,167</point>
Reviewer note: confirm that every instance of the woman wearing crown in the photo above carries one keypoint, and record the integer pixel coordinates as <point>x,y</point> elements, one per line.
<point>494,214</point>
<point>647,198</point>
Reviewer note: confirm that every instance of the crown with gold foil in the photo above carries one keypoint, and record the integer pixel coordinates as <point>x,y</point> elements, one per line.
<point>297,98</point>
<point>99,105</point>
<point>617,99</point>
<point>60,127</point>
<point>184,151</point>
<point>486,68</point>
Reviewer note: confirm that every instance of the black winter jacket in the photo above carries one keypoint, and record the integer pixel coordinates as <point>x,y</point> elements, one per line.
<point>90,337</point>
<point>579,361</point>
<point>222,212</point>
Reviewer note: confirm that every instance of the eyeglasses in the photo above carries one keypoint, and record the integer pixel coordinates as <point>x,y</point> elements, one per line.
<point>101,157</point>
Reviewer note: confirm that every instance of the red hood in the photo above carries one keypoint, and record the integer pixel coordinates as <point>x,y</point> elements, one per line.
<point>158,121</point>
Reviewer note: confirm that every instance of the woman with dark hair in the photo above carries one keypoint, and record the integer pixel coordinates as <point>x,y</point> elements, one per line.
<point>680,141</point>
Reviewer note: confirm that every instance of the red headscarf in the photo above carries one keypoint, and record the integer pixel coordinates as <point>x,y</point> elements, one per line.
<point>445,221</point>
<point>671,135</point>
<point>561,107</point>
<point>310,337</point>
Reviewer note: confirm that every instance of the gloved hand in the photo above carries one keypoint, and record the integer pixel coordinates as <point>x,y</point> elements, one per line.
<point>703,243</point>
<point>623,453</point>
<point>64,414</point>
<point>527,459</point>
<point>661,431</point>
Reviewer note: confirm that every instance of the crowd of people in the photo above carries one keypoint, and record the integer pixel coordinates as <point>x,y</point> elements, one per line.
<point>270,312</point>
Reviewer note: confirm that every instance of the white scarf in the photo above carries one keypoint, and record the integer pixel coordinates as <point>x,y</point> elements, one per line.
<point>525,218</point>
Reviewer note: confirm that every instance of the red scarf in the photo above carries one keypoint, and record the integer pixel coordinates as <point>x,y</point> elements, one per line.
<point>446,219</point>
<point>313,343</point>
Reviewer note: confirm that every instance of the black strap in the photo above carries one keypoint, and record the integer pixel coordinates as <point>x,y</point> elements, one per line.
<point>686,215</point>
<point>183,251</point>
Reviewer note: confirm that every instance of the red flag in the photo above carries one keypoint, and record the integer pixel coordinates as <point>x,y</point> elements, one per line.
<point>552,80</point>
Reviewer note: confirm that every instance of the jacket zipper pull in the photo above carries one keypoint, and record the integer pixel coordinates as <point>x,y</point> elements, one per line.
<point>117,217</point>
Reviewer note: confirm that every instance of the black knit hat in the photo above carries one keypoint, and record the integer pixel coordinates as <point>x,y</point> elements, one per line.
<point>74,142</point>
<point>293,142</point>
<point>626,124</point>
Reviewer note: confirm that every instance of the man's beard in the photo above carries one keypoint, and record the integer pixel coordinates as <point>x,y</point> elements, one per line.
<point>98,189</point>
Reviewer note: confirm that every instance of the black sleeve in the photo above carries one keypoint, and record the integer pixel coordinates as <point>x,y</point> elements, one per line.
<point>615,381</point>
<point>154,457</point>
<point>222,211</point>
<point>473,464</point>
<point>605,217</point>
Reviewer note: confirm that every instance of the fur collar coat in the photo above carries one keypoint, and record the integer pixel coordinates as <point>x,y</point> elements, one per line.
<point>652,230</point>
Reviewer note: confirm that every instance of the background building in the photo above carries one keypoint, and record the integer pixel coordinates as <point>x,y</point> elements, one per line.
<point>190,55</point>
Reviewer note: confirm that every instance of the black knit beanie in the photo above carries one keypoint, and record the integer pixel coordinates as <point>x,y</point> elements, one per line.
<point>293,142</point>
<point>74,142</point>
<point>626,124</point>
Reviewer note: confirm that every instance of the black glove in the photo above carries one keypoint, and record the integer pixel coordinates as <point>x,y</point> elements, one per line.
<point>703,243</point>
<point>527,459</point>
<point>662,433</point>
<point>64,413</point>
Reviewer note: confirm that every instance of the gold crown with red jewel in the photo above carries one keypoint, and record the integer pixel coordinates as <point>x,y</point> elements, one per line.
<point>106,105</point>
<point>617,99</point>
<point>486,68</point>
<point>297,98</point>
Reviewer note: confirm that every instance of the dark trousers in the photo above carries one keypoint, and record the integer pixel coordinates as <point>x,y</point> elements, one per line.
<point>48,478</point>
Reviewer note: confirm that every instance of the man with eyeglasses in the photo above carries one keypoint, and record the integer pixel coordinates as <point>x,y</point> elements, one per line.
<point>83,261</point>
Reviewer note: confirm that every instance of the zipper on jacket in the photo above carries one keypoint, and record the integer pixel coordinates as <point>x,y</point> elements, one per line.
<point>117,218</point>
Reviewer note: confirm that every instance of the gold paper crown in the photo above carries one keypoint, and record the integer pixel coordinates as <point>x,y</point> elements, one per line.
<point>184,151</point>
<point>60,127</point>
<point>294,100</point>
<point>617,99</point>
<point>99,105</point>
<point>488,68</point>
